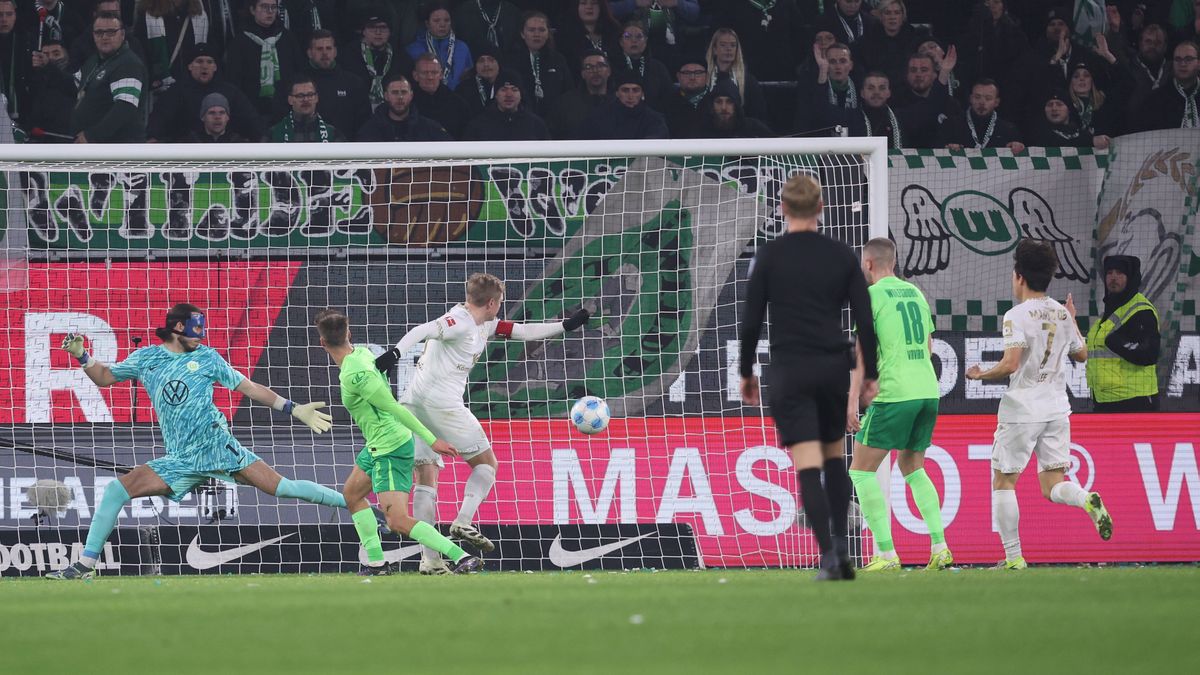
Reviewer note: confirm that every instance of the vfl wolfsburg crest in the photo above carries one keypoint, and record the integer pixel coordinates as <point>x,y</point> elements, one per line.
<point>983,225</point>
<point>648,263</point>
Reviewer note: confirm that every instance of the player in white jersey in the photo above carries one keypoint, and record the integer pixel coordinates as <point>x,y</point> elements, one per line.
<point>1034,415</point>
<point>453,343</point>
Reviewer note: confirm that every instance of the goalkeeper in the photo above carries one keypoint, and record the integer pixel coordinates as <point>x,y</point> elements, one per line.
<point>385,464</point>
<point>453,343</point>
<point>179,376</point>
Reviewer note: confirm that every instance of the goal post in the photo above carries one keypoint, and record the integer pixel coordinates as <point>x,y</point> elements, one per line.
<point>654,237</point>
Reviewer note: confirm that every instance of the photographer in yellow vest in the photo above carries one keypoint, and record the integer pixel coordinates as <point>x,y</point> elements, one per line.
<point>1123,344</point>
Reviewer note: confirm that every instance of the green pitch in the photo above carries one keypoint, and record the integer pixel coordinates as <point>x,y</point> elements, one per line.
<point>1121,620</point>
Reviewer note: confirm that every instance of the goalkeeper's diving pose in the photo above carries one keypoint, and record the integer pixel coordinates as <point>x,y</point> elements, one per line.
<point>453,343</point>
<point>179,376</point>
<point>385,465</point>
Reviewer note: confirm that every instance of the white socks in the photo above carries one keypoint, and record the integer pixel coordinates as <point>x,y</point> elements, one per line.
<point>479,484</point>
<point>1007,517</point>
<point>424,508</point>
<point>1069,493</point>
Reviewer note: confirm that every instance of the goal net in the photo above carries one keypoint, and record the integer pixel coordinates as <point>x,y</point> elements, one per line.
<point>654,238</point>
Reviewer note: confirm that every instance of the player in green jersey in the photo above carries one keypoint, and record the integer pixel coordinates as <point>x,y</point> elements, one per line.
<point>385,465</point>
<point>903,407</point>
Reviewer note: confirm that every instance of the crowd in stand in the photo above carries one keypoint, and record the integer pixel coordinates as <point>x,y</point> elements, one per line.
<point>921,73</point>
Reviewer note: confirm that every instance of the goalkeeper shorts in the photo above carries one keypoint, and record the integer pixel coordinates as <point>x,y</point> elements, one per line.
<point>899,425</point>
<point>182,474</point>
<point>390,471</point>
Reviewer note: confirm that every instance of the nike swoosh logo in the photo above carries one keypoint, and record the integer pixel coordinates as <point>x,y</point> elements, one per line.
<point>564,558</point>
<point>202,560</point>
<point>393,556</point>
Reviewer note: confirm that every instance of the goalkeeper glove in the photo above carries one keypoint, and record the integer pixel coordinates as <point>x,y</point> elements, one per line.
<point>73,345</point>
<point>387,360</point>
<point>311,415</point>
<point>576,320</point>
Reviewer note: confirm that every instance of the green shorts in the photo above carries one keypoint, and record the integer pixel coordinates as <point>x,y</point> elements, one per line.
<point>389,471</point>
<point>902,425</point>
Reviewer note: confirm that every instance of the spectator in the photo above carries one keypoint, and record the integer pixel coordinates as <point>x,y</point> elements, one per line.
<point>14,63</point>
<point>772,54</point>
<point>84,46</point>
<point>1173,106</point>
<point>1058,128</point>
<point>681,107</point>
<point>980,126</point>
<point>374,59</point>
<point>887,44</point>
<point>52,94</point>
<point>398,120</point>
<point>438,38</point>
<point>539,64</point>
<point>1149,69</point>
<point>214,122</point>
<point>721,115</point>
<point>626,115</point>
<point>434,99</point>
<point>169,29</point>
<point>848,22</point>
<point>488,23</point>
<point>303,124</point>
<point>667,22</point>
<point>477,89</point>
<point>725,61</point>
<point>401,17</point>
<point>1117,32</point>
<point>806,72</point>
<point>111,107</point>
<point>651,72</point>
<point>263,58</point>
<point>1089,103</point>
<point>1049,60</point>
<point>834,99</point>
<point>876,117</point>
<point>505,118</point>
<point>174,114</point>
<point>1124,344</point>
<point>304,17</point>
<point>573,107</point>
<point>61,23</point>
<point>927,94</point>
<point>589,27</point>
<point>993,44</point>
<point>342,96</point>
<point>945,62</point>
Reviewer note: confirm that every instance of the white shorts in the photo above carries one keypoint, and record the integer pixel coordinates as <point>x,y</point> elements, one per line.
<point>455,425</point>
<point>1014,443</point>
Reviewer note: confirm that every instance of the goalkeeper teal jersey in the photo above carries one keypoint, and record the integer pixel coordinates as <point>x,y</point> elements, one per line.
<point>181,389</point>
<point>385,424</point>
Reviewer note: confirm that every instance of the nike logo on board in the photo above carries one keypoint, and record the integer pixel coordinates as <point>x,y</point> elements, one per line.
<point>564,558</point>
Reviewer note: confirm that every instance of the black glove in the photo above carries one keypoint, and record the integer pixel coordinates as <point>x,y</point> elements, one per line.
<point>576,320</point>
<point>387,360</point>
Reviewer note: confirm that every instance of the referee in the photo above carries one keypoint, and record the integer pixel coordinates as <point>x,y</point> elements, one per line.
<point>807,278</point>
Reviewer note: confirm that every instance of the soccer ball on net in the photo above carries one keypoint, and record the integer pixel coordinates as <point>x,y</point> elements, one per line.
<point>590,415</point>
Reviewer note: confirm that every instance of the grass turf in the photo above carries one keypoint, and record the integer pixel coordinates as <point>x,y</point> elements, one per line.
<point>1107,620</point>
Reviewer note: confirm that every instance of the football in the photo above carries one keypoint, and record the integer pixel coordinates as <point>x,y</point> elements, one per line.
<point>590,415</point>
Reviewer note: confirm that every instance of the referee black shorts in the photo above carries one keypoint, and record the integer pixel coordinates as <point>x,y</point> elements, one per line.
<point>809,396</point>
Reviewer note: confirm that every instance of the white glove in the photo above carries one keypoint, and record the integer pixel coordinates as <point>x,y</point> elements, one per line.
<point>310,414</point>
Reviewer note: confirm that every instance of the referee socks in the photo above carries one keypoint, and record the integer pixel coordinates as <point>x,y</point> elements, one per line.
<point>816,506</point>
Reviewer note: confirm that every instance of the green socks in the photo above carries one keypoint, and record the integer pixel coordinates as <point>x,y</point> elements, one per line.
<point>425,534</point>
<point>874,509</point>
<point>368,534</point>
<point>926,497</point>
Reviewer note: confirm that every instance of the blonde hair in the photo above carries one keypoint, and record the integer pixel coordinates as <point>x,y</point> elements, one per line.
<point>882,251</point>
<point>483,288</point>
<point>737,71</point>
<point>801,196</point>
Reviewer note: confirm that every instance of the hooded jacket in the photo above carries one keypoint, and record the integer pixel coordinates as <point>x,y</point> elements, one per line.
<point>1137,340</point>
<point>743,126</point>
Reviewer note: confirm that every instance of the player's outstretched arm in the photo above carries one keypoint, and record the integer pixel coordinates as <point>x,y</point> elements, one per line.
<point>426,331</point>
<point>542,331</point>
<point>308,413</point>
<point>381,398</point>
<point>1007,366</point>
<point>96,371</point>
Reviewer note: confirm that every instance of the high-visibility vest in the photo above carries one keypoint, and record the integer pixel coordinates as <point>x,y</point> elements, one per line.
<point>1110,377</point>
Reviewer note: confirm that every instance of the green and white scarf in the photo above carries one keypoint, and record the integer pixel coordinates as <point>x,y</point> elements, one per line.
<point>491,22</point>
<point>1191,119</point>
<point>286,130</point>
<point>159,51</point>
<point>448,62</point>
<point>851,95</point>
<point>895,135</point>
<point>268,63</point>
<point>764,6</point>
<point>377,72</point>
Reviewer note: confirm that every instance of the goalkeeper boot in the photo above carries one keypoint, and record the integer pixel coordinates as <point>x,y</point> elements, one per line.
<point>468,565</point>
<point>1100,517</point>
<point>73,571</point>
<point>436,567</point>
<point>469,534</point>
<point>881,564</point>
<point>384,570</point>
<point>1017,564</point>
<point>940,560</point>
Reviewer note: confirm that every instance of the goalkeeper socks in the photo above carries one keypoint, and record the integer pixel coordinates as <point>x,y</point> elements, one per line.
<point>926,497</point>
<point>837,489</point>
<point>874,508</point>
<point>424,533</point>
<point>306,490</point>
<point>115,498</point>
<point>368,534</point>
<point>1067,492</point>
<point>816,506</point>
<point>1007,516</point>
<point>424,509</point>
<point>479,484</point>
